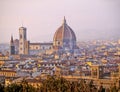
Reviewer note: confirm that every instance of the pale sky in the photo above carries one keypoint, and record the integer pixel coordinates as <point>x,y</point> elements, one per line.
<point>90,19</point>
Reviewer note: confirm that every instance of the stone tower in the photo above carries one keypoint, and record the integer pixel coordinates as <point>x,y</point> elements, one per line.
<point>23,43</point>
<point>97,71</point>
<point>12,47</point>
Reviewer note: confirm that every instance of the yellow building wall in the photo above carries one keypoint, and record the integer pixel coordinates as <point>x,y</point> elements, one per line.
<point>7,73</point>
<point>4,58</point>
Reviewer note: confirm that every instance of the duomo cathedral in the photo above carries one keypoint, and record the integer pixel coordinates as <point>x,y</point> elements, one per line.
<point>64,41</point>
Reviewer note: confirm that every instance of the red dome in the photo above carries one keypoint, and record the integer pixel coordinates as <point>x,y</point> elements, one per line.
<point>64,36</point>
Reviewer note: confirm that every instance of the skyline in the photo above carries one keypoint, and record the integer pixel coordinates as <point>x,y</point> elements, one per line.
<point>89,19</point>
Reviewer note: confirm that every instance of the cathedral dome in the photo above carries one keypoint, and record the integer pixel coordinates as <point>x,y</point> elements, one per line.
<point>64,36</point>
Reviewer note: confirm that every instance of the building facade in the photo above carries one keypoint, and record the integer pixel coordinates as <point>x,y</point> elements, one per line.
<point>39,48</point>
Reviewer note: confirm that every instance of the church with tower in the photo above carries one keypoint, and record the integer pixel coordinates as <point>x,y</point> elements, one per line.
<point>64,41</point>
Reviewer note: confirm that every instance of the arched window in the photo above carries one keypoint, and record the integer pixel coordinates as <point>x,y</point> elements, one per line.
<point>58,43</point>
<point>36,47</point>
<point>20,36</point>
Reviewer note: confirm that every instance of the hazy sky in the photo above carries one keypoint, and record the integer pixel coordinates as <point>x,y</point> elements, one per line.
<point>90,19</point>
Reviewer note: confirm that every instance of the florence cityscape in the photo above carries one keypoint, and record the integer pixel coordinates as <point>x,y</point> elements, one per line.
<point>60,46</point>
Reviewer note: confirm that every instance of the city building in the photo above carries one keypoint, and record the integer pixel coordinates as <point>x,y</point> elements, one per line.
<point>8,73</point>
<point>64,38</point>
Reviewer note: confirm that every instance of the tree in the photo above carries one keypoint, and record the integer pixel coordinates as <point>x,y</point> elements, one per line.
<point>1,88</point>
<point>114,89</point>
<point>13,88</point>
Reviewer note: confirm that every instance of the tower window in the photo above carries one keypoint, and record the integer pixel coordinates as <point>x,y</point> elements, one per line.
<point>58,43</point>
<point>20,36</point>
<point>20,48</point>
<point>20,43</point>
<point>36,47</point>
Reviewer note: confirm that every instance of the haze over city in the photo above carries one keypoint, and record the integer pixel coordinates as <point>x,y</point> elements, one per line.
<point>90,19</point>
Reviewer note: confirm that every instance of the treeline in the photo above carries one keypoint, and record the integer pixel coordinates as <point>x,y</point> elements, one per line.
<point>55,84</point>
